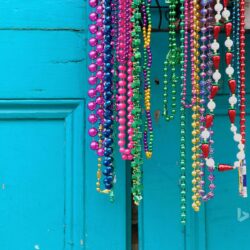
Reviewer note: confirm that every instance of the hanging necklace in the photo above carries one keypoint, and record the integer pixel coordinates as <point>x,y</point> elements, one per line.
<point>243,169</point>
<point>136,125</point>
<point>188,20</point>
<point>183,46</point>
<point>206,143</point>
<point>196,112</point>
<point>147,58</point>
<point>170,64</point>
<point>108,94</point>
<point>123,48</point>
<point>232,85</point>
<point>97,66</point>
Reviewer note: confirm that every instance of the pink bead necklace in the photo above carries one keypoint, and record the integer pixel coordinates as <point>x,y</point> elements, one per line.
<point>125,79</point>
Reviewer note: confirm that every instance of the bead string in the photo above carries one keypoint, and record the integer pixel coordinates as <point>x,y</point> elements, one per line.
<point>232,85</point>
<point>136,125</point>
<point>196,113</point>
<point>96,68</point>
<point>183,62</point>
<point>147,58</point>
<point>187,17</point>
<point>124,77</point>
<point>206,144</point>
<point>171,61</point>
<point>108,95</point>
<point>243,169</point>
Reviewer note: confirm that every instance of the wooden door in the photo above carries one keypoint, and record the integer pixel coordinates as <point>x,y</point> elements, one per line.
<point>47,172</point>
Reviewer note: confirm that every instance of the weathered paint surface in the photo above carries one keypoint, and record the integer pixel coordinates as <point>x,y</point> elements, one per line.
<point>47,172</point>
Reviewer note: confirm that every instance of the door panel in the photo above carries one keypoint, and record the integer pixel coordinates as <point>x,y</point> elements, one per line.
<point>41,175</point>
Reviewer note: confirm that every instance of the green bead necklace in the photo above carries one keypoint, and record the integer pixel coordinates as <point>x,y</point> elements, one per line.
<point>182,121</point>
<point>137,162</point>
<point>170,64</point>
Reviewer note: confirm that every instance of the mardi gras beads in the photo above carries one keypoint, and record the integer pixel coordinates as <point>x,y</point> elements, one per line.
<point>123,48</point>
<point>170,65</point>
<point>206,142</point>
<point>243,169</point>
<point>108,95</point>
<point>136,125</point>
<point>183,23</point>
<point>147,58</point>
<point>196,112</point>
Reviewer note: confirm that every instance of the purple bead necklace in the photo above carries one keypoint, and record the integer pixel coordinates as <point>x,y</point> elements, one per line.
<point>147,63</point>
<point>204,84</point>
<point>188,12</point>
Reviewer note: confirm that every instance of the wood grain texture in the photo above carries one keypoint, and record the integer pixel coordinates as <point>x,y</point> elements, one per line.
<point>42,175</point>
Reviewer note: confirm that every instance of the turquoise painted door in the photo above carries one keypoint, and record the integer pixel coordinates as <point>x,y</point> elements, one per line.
<point>224,222</point>
<point>47,174</point>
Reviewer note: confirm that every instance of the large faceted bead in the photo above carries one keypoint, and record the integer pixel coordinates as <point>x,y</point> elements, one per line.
<point>232,85</point>
<point>232,115</point>
<point>224,167</point>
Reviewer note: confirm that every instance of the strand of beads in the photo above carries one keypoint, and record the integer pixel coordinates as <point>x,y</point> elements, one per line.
<point>188,20</point>
<point>123,53</point>
<point>232,85</point>
<point>114,33</point>
<point>108,95</point>
<point>243,169</point>
<point>237,46</point>
<point>130,82</point>
<point>214,88</point>
<point>147,56</point>
<point>196,113</point>
<point>205,146</point>
<point>172,60</point>
<point>207,132</point>
<point>183,20</point>
<point>129,48</point>
<point>96,68</point>
<point>136,125</point>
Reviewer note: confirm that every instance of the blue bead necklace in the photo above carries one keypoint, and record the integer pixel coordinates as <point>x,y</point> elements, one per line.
<point>108,96</point>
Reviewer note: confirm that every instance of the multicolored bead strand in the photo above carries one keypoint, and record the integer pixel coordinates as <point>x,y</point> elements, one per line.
<point>147,58</point>
<point>232,85</point>
<point>96,67</point>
